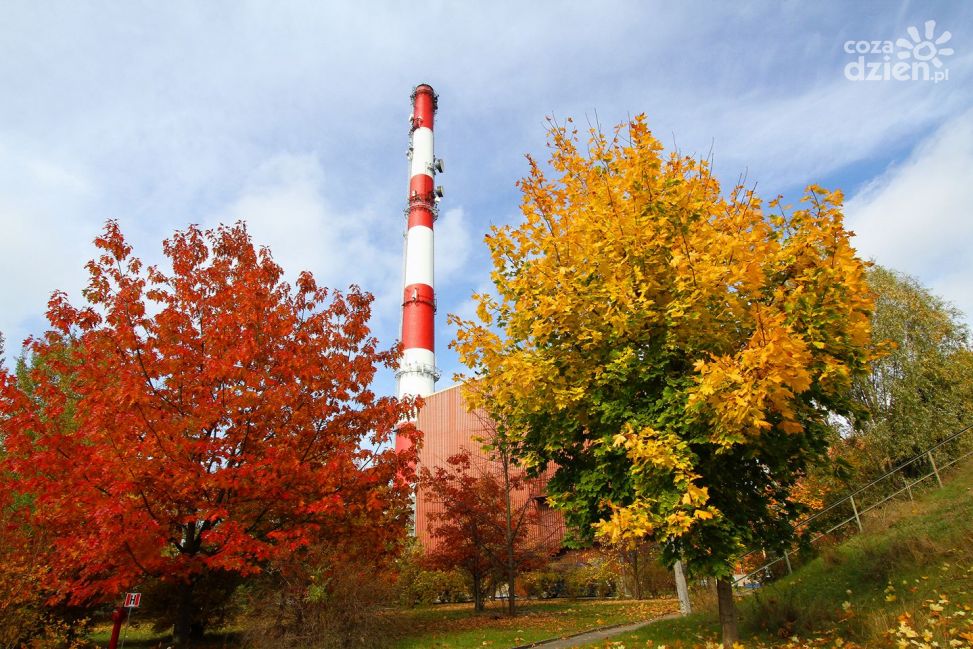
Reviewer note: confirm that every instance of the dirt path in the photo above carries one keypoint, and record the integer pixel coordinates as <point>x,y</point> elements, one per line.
<point>586,637</point>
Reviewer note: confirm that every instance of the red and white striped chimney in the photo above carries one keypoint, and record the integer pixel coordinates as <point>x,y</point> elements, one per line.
<point>417,373</point>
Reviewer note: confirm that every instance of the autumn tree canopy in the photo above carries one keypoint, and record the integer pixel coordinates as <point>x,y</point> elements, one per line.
<point>208,418</point>
<point>674,350</point>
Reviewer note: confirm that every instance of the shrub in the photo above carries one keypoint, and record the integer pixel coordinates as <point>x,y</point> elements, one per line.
<point>438,587</point>
<point>33,628</point>
<point>542,584</point>
<point>339,609</point>
<point>415,584</point>
<point>588,573</point>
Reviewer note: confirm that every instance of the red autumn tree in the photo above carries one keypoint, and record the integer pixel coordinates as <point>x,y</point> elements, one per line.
<point>208,419</point>
<point>472,531</point>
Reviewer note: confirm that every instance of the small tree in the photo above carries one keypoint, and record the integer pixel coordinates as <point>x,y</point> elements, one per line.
<point>206,420</point>
<point>473,531</point>
<point>519,505</point>
<point>673,351</point>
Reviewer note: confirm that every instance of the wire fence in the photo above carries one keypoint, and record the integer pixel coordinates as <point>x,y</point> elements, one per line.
<point>834,521</point>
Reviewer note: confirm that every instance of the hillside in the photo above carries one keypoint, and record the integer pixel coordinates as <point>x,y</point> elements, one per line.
<point>907,581</point>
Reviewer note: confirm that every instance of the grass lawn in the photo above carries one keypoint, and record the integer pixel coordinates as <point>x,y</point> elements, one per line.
<point>906,582</point>
<point>457,627</point>
<point>142,636</point>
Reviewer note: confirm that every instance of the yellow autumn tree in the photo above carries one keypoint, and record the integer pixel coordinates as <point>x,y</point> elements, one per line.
<point>673,349</point>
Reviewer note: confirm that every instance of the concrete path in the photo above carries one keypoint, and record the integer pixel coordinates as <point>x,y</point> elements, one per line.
<point>587,637</point>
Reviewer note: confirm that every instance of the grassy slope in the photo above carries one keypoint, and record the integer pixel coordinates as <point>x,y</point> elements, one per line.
<point>908,579</point>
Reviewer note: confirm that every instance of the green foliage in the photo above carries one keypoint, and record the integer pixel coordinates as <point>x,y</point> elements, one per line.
<point>416,585</point>
<point>542,584</point>
<point>922,389</point>
<point>601,572</point>
<point>438,587</point>
<point>591,580</point>
<point>589,574</point>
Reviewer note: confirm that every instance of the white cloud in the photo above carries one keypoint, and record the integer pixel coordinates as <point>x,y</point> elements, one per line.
<point>453,245</point>
<point>789,140</point>
<point>917,217</point>
<point>284,205</point>
<point>43,240</point>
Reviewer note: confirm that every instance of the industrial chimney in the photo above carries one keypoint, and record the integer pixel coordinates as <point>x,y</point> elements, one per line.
<point>417,372</point>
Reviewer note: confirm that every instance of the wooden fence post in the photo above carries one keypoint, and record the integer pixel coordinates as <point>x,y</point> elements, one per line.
<point>934,469</point>
<point>854,508</point>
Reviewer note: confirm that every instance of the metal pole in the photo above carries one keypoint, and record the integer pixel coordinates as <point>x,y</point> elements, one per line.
<point>934,469</point>
<point>908,486</point>
<point>787,560</point>
<point>128,623</point>
<point>855,509</point>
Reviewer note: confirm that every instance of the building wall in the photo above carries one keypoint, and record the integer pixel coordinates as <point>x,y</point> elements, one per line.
<point>447,429</point>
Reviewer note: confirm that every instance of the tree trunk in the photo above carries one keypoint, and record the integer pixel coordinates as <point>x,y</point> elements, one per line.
<point>182,632</point>
<point>728,612</point>
<point>511,584</point>
<point>477,593</point>
<point>682,589</point>
<point>511,562</point>
<point>635,573</point>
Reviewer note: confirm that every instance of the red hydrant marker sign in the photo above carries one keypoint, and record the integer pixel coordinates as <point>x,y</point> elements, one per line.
<point>132,600</point>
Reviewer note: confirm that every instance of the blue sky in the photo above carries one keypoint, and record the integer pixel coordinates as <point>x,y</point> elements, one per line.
<point>292,116</point>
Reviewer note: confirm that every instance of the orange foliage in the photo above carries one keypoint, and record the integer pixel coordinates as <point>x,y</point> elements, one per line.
<point>211,418</point>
